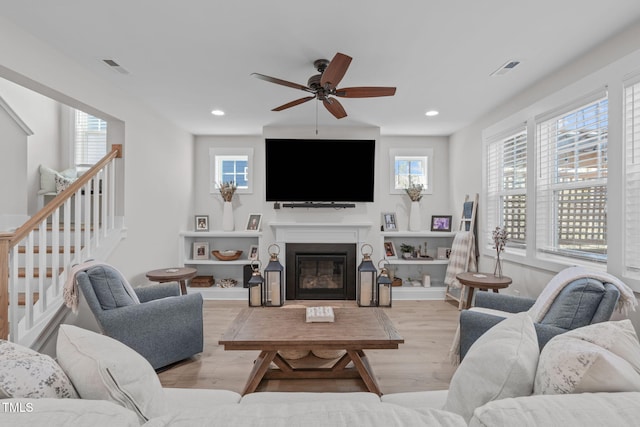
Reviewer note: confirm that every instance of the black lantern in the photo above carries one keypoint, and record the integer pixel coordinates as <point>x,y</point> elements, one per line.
<point>273,288</point>
<point>384,286</point>
<point>367,291</point>
<point>255,285</point>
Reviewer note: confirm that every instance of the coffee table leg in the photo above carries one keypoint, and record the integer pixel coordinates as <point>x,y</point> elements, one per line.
<point>260,367</point>
<point>364,368</point>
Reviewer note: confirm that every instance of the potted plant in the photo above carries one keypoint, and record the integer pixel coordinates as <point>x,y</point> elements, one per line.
<point>407,250</point>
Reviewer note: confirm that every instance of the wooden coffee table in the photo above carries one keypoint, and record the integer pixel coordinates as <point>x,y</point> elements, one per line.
<point>271,329</point>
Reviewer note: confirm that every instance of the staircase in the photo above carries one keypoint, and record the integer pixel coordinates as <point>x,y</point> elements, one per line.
<point>35,260</point>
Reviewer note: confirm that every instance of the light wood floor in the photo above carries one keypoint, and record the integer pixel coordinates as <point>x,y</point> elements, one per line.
<point>421,363</point>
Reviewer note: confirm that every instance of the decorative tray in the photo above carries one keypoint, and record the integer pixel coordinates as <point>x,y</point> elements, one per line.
<point>226,255</point>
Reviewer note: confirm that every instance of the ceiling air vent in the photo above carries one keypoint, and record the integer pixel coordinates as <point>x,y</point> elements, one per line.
<point>115,66</point>
<point>505,68</point>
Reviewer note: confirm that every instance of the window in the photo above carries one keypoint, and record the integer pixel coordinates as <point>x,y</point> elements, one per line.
<point>90,139</point>
<point>571,177</point>
<point>632,177</point>
<point>506,175</point>
<point>410,166</point>
<point>231,165</point>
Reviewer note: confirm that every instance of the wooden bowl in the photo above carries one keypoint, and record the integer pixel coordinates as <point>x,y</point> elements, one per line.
<point>226,257</point>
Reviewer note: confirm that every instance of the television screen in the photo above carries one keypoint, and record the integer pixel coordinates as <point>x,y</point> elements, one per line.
<point>319,170</point>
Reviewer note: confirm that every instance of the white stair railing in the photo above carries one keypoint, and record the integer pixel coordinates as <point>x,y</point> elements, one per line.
<point>37,257</point>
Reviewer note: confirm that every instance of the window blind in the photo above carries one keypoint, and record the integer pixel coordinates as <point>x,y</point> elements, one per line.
<point>507,184</point>
<point>571,179</point>
<point>632,177</point>
<point>90,141</point>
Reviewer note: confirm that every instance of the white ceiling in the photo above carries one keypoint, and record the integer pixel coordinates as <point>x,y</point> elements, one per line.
<point>188,57</point>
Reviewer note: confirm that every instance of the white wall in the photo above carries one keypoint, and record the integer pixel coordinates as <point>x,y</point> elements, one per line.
<point>244,204</point>
<point>158,156</point>
<point>608,64</point>
<point>42,115</point>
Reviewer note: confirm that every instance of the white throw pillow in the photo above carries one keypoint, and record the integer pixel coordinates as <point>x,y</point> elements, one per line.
<point>28,374</point>
<point>47,179</point>
<point>601,357</point>
<point>105,369</point>
<point>501,363</point>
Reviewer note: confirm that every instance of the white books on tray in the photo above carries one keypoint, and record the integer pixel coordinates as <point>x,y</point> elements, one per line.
<point>320,314</point>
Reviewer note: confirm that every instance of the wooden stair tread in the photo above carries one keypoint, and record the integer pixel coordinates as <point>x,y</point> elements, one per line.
<point>36,249</point>
<point>22,273</point>
<point>22,297</point>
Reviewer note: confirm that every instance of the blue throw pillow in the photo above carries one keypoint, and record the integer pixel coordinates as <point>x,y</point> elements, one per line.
<point>109,288</point>
<point>576,304</point>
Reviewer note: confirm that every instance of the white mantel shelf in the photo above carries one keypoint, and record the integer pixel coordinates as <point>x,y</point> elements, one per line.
<point>321,232</point>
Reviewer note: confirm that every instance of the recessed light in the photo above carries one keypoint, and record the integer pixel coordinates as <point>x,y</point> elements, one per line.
<point>431,113</point>
<point>217,113</point>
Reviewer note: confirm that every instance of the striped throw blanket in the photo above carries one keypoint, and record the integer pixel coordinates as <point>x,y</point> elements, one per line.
<point>462,258</point>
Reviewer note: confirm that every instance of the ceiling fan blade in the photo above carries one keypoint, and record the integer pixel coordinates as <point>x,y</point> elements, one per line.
<point>334,107</point>
<point>335,70</point>
<point>293,103</point>
<point>282,82</point>
<point>365,92</point>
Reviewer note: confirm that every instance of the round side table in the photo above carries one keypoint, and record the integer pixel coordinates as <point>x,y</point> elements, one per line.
<point>180,275</point>
<point>484,281</point>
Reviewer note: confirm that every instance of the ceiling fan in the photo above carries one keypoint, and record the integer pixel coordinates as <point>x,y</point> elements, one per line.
<point>324,88</point>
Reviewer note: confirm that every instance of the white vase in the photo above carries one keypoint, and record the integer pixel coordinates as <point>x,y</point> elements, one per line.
<point>415,222</point>
<point>227,217</point>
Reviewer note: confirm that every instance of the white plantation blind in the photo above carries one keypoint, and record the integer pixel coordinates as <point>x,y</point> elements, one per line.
<point>90,139</point>
<point>571,179</point>
<point>632,176</point>
<point>506,176</point>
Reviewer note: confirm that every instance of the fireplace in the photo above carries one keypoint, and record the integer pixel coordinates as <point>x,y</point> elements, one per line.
<point>321,271</point>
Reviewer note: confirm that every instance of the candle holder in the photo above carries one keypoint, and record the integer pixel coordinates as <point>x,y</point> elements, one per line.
<point>384,285</point>
<point>367,290</point>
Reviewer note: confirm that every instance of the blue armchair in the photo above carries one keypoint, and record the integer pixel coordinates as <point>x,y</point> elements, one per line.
<point>165,327</point>
<point>582,302</point>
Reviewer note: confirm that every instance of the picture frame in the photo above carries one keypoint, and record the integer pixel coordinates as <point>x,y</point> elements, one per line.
<point>390,250</point>
<point>389,222</point>
<point>253,253</point>
<point>443,253</point>
<point>201,223</point>
<point>441,223</point>
<point>253,222</point>
<point>200,250</point>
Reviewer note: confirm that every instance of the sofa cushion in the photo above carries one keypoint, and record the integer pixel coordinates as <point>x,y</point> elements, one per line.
<point>585,409</point>
<point>417,399</point>
<point>29,374</point>
<point>576,304</point>
<point>329,413</point>
<point>596,358</point>
<point>501,363</point>
<point>105,369</point>
<point>109,287</point>
<point>280,397</point>
<point>52,412</point>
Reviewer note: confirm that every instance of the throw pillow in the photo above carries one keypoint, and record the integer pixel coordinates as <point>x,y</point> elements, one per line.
<point>102,368</point>
<point>602,357</point>
<point>47,179</point>
<point>25,373</point>
<point>62,183</point>
<point>501,363</point>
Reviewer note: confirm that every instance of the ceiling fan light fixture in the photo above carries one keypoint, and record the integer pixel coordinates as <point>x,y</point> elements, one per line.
<point>217,112</point>
<point>432,113</point>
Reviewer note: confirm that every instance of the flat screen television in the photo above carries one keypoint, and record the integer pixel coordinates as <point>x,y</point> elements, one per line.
<point>319,170</point>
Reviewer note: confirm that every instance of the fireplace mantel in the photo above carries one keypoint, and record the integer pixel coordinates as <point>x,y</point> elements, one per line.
<point>321,232</point>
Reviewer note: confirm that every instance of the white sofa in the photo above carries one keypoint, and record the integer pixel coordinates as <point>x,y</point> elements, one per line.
<point>492,387</point>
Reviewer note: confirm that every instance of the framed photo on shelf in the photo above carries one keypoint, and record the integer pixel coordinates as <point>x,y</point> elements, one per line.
<point>443,253</point>
<point>202,222</point>
<point>390,250</point>
<point>201,250</point>
<point>253,223</point>
<point>441,223</point>
<point>253,253</point>
<point>389,222</point>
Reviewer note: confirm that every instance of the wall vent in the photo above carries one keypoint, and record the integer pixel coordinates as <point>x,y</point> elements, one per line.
<point>115,66</point>
<point>505,68</point>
